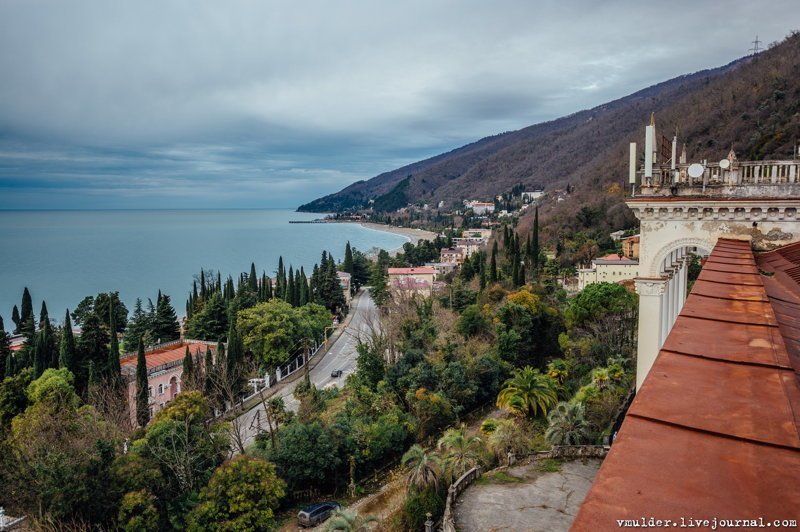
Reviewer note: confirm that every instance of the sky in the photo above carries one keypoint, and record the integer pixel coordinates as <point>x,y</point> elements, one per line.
<point>240,104</point>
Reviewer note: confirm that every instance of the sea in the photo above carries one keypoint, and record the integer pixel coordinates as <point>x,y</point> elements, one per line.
<point>64,256</point>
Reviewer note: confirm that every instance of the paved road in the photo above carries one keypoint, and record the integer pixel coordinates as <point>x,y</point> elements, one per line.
<point>342,355</point>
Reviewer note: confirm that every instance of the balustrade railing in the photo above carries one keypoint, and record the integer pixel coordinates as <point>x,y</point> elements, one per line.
<point>745,173</point>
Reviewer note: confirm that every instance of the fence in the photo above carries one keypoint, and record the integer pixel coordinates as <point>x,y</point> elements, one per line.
<point>456,489</point>
<point>737,173</point>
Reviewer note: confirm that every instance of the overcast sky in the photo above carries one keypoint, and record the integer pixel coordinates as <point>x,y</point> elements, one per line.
<point>272,104</point>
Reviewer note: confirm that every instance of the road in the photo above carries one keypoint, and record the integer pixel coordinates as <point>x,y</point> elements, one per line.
<point>342,355</point>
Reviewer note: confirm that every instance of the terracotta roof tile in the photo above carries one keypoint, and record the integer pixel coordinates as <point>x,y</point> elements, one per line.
<point>714,431</point>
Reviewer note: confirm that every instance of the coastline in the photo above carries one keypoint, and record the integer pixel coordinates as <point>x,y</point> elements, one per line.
<point>410,234</point>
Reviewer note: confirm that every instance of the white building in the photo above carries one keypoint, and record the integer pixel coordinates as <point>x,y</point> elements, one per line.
<point>528,197</point>
<point>609,269</point>
<point>442,268</point>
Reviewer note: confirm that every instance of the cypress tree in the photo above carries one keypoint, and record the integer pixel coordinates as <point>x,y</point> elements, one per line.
<point>26,309</point>
<point>290,290</point>
<point>348,259</point>
<point>188,369</point>
<point>515,269</point>
<point>482,277</point>
<point>253,278</point>
<point>268,291</point>
<point>303,287</point>
<point>5,350</point>
<point>298,290</point>
<point>43,316</point>
<point>66,352</point>
<point>493,265</point>
<point>522,274</point>
<point>43,350</point>
<point>208,370</point>
<point>142,393</point>
<point>10,368</point>
<point>202,284</point>
<point>280,280</point>
<point>535,243</point>
<point>219,282</point>
<point>16,319</point>
<point>113,369</point>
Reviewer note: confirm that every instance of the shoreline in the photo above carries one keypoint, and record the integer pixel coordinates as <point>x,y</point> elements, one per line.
<point>410,234</point>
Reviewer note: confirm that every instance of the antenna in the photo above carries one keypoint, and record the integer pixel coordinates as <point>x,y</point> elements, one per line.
<point>756,48</point>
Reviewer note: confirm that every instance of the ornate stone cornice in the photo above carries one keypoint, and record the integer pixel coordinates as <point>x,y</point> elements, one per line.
<point>646,286</point>
<point>739,210</point>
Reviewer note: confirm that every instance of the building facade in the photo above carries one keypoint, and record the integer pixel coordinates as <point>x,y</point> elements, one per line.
<point>164,371</point>
<point>409,282</point>
<point>609,269</point>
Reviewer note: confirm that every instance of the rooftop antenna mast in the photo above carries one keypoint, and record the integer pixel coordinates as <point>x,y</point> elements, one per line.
<point>756,48</point>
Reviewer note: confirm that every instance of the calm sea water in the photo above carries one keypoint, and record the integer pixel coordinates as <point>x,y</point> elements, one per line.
<point>63,256</point>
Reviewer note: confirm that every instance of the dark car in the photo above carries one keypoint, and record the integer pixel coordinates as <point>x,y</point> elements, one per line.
<point>317,513</point>
<point>336,373</point>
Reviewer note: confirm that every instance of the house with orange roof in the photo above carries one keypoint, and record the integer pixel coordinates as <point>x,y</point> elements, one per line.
<point>164,371</point>
<point>405,282</point>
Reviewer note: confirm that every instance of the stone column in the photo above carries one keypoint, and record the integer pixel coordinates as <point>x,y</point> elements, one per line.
<point>651,323</point>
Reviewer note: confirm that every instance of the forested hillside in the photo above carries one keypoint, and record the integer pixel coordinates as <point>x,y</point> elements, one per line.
<point>751,105</point>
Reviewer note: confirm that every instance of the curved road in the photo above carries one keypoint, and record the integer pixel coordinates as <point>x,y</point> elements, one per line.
<point>342,355</point>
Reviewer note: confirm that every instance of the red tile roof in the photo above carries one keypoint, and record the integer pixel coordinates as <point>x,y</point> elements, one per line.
<point>715,428</point>
<point>411,271</point>
<point>163,356</point>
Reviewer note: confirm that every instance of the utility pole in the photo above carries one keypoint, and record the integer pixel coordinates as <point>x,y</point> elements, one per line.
<point>756,48</point>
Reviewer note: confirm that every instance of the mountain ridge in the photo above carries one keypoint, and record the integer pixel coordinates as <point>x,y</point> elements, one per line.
<point>573,148</point>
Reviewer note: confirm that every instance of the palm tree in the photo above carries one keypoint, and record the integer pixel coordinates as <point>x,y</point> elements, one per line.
<point>423,468</point>
<point>349,521</point>
<point>528,392</point>
<point>568,425</point>
<point>507,436</point>
<point>462,452</point>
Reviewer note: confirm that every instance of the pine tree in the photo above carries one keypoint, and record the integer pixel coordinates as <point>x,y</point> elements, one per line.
<point>493,266</point>
<point>16,319</point>
<point>142,392</point>
<point>5,350</point>
<point>137,327</point>
<point>66,352</point>
<point>165,326</point>
<point>113,369</point>
<point>348,259</point>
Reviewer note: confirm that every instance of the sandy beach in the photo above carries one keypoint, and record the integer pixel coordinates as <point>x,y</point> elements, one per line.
<point>413,235</point>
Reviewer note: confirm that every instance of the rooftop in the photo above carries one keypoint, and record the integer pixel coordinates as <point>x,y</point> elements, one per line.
<point>168,355</point>
<point>613,258</point>
<point>714,431</point>
<point>411,271</point>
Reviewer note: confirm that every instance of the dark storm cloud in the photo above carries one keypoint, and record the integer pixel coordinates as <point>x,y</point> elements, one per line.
<point>185,104</point>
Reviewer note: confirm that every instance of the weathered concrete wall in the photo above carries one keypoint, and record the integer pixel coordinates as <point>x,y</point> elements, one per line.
<point>668,224</point>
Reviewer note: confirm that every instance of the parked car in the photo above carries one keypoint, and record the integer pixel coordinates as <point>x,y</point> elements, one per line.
<point>317,513</point>
<point>336,373</point>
